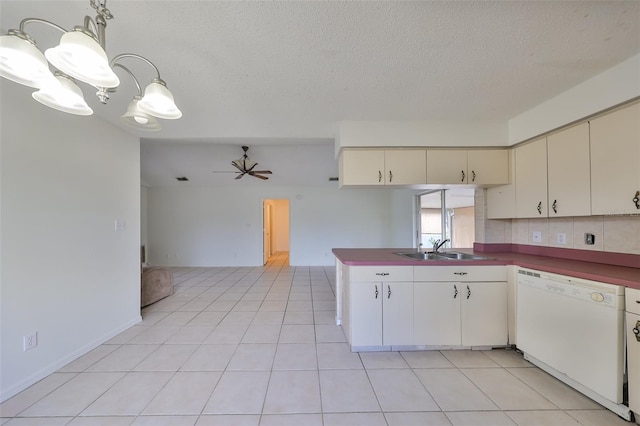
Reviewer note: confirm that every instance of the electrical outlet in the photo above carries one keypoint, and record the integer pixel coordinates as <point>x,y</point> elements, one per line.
<point>30,341</point>
<point>589,239</point>
<point>562,238</point>
<point>536,237</point>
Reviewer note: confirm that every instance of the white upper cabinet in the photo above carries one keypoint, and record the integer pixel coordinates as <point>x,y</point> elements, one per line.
<point>615,162</point>
<point>531,179</point>
<point>569,172</point>
<point>479,167</point>
<point>383,167</point>
<point>501,200</point>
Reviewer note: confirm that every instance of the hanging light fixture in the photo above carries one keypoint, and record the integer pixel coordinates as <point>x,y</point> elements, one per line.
<point>80,55</point>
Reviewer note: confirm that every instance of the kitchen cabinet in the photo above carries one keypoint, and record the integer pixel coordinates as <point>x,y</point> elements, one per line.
<point>632,301</point>
<point>382,167</point>
<point>460,306</point>
<point>478,167</point>
<point>568,173</point>
<point>615,156</point>
<point>501,200</point>
<point>531,179</point>
<point>378,306</point>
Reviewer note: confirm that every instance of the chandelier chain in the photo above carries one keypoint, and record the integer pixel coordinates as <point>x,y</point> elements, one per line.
<point>101,8</point>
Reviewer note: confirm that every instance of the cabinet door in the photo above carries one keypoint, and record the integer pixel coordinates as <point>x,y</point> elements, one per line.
<point>615,156</point>
<point>405,167</point>
<point>488,167</point>
<point>436,313</point>
<point>362,167</point>
<point>446,166</point>
<point>531,179</point>
<point>366,314</point>
<point>501,200</point>
<point>569,172</point>
<point>484,314</point>
<point>397,313</point>
<point>633,360</point>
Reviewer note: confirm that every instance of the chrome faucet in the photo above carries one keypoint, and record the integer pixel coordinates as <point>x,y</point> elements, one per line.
<point>437,245</point>
<point>419,248</point>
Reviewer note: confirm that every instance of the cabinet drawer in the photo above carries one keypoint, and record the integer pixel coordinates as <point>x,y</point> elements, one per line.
<point>632,300</point>
<point>460,273</point>
<point>380,273</point>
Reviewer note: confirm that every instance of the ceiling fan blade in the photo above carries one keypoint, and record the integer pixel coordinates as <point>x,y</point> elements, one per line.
<point>258,176</point>
<point>238,165</point>
<point>264,172</point>
<point>220,171</point>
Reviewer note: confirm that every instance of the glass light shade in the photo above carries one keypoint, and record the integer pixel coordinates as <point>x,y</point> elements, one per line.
<point>81,56</point>
<point>21,61</point>
<point>67,97</point>
<point>158,101</point>
<point>139,119</point>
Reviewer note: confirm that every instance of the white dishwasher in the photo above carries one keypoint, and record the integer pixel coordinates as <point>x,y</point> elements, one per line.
<point>573,329</point>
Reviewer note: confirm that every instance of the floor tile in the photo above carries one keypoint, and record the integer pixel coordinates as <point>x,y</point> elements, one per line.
<point>377,360</point>
<point>469,359</point>
<point>293,392</point>
<point>273,306</point>
<point>329,334</point>
<point>190,334</point>
<point>296,356</point>
<point>73,396</point>
<point>87,360</point>
<point>128,334</point>
<point>507,391</point>
<point>165,421</point>
<point>298,317</point>
<point>207,318</point>
<point>209,358</point>
<point>507,358</point>
<point>355,392</point>
<point>237,318</point>
<point>166,358</point>
<point>400,390</point>
<point>239,392</point>
<point>125,358</point>
<point>226,334</point>
<point>546,418</point>
<point>337,356</point>
<point>598,418</point>
<point>249,356</point>
<point>247,305</point>
<point>15,405</point>
<point>480,418</point>
<point>154,335</point>
<point>262,334</point>
<point>220,306</point>
<point>426,359</point>
<point>185,393</point>
<point>292,333</point>
<point>324,317</point>
<point>299,305</point>
<point>354,419</point>
<point>324,305</point>
<point>177,318</point>
<point>453,391</point>
<point>268,318</point>
<point>554,390</point>
<point>291,420</point>
<point>417,419</point>
<point>228,420</point>
<point>129,396</point>
<point>38,421</point>
<point>103,420</point>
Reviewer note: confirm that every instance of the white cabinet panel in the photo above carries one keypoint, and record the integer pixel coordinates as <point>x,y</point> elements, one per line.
<point>531,179</point>
<point>484,314</point>
<point>366,314</point>
<point>397,313</point>
<point>437,314</point>
<point>366,167</point>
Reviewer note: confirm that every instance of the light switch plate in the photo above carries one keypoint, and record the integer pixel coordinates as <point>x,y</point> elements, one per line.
<point>562,238</point>
<point>536,237</point>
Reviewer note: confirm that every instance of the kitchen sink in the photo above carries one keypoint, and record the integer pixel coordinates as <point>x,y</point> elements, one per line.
<point>445,255</point>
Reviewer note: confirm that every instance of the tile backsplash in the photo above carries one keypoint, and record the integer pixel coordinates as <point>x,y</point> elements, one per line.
<point>617,234</point>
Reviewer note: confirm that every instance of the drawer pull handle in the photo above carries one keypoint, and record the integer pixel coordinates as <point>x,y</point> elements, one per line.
<point>455,291</point>
<point>468,292</point>
<point>382,274</point>
<point>460,273</point>
<point>389,294</point>
<point>636,331</point>
<point>376,292</point>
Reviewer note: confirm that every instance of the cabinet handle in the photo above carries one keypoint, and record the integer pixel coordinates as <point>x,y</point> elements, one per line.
<point>462,180</point>
<point>540,207</point>
<point>455,291</point>
<point>390,176</point>
<point>389,293</point>
<point>379,176</point>
<point>468,292</point>
<point>553,206</point>
<point>473,175</point>
<point>382,274</point>
<point>636,331</point>
<point>460,273</point>
<point>636,199</point>
<point>376,293</point>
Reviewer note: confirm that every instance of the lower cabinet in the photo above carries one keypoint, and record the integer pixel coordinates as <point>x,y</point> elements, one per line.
<point>632,300</point>
<point>441,306</point>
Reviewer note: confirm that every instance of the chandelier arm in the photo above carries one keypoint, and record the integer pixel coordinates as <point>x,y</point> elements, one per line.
<point>132,76</point>
<point>26,21</point>
<point>134,55</point>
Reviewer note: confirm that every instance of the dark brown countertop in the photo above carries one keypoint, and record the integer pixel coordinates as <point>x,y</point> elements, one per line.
<point>612,274</point>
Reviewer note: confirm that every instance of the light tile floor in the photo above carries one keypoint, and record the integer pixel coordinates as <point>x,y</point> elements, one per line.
<point>259,346</point>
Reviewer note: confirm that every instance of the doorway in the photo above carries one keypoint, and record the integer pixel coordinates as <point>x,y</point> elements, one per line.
<point>275,213</point>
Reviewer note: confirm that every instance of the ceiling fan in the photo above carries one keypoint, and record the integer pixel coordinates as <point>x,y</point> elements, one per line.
<point>246,167</point>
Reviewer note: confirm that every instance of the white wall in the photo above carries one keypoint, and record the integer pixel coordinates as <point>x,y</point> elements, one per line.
<point>65,272</point>
<point>222,226</point>
<point>143,216</point>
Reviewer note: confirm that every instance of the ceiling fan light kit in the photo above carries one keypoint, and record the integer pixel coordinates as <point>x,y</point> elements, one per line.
<point>245,166</point>
<point>80,55</point>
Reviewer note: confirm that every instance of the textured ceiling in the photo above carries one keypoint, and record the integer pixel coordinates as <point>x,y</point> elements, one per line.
<point>287,71</point>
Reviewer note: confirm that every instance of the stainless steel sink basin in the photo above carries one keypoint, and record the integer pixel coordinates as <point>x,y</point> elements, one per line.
<point>446,255</point>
